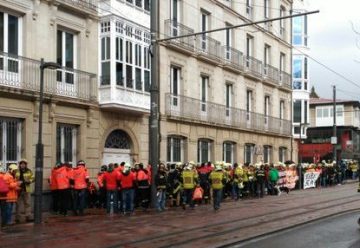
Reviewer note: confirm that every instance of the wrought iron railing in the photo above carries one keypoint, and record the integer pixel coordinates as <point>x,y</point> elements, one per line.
<point>208,46</point>
<point>174,28</point>
<point>232,56</point>
<point>24,73</point>
<point>271,73</point>
<point>253,65</point>
<point>192,109</point>
<point>91,5</point>
<point>285,79</point>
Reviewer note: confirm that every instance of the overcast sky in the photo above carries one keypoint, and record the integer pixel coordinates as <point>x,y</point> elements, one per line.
<point>333,42</point>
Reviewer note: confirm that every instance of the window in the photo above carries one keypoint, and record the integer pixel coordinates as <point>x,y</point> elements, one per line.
<point>105,61</point>
<point>66,54</point>
<point>282,154</point>
<point>266,108</point>
<point>282,63</point>
<point>10,140</point>
<point>118,139</point>
<point>204,92</point>
<point>266,58</point>
<point>306,111</point>
<point>297,111</point>
<point>175,84</point>
<point>340,111</point>
<point>249,49</point>
<point>129,64</point>
<point>204,150</point>
<point>138,71</point>
<point>228,98</point>
<point>296,130</point>
<point>228,41</point>
<point>248,100</point>
<point>66,143</point>
<point>267,154</point>
<point>229,152</point>
<point>266,9</point>
<point>300,31</point>
<point>282,109</point>
<point>297,67</point>
<point>175,149</point>
<point>305,68</point>
<point>325,112</point>
<point>204,27</point>
<point>249,8</point>
<point>147,5</point>
<point>319,113</point>
<point>138,3</point>
<point>146,69</point>
<point>282,21</point>
<point>175,16</point>
<point>249,152</point>
<point>297,85</point>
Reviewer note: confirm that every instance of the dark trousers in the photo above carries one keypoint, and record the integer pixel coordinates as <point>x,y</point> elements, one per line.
<point>128,200</point>
<point>112,201</point>
<point>187,197</point>
<point>102,197</point>
<point>64,200</point>
<point>79,200</point>
<point>143,196</point>
<point>55,200</point>
<point>217,197</point>
<point>260,187</point>
<point>3,209</point>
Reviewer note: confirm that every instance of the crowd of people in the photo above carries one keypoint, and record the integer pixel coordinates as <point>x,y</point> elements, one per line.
<point>120,188</point>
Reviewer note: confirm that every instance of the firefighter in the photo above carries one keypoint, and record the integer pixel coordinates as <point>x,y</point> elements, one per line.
<point>127,183</point>
<point>237,174</point>
<point>102,190</point>
<point>80,177</point>
<point>189,180</point>
<point>62,180</point>
<point>217,180</point>
<point>142,178</point>
<point>260,180</point>
<point>203,173</point>
<point>53,188</point>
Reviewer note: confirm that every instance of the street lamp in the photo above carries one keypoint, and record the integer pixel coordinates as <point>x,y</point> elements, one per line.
<point>39,164</point>
<point>299,154</point>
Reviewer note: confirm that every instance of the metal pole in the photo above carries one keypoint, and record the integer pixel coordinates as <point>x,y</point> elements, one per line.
<point>39,154</point>
<point>334,127</point>
<point>300,161</point>
<point>154,98</point>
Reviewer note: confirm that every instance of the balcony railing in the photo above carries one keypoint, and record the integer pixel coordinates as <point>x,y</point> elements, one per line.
<point>124,98</point>
<point>23,73</point>
<point>212,113</point>
<point>271,73</point>
<point>174,28</point>
<point>89,5</point>
<point>253,65</point>
<point>233,57</point>
<point>285,80</point>
<point>208,46</point>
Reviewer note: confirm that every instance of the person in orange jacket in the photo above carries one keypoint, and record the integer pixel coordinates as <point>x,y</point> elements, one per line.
<point>80,180</point>
<point>53,188</point>
<point>101,186</point>
<point>142,177</point>
<point>62,177</point>
<point>9,200</point>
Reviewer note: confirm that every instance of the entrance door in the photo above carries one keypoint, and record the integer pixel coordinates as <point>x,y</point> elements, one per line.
<point>116,156</point>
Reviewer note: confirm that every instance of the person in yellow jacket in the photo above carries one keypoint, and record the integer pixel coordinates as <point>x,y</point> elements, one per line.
<point>189,179</point>
<point>354,169</point>
<point>237,183</point>
<point>26,177</point>
<point>217,181</point>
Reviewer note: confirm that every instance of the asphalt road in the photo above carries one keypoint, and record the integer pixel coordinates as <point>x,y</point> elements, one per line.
<point>340,231</point>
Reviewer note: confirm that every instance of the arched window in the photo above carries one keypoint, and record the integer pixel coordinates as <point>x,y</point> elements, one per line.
<point>118,139</point>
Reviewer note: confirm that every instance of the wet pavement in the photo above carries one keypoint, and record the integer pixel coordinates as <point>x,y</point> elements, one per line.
<point>202,227</point>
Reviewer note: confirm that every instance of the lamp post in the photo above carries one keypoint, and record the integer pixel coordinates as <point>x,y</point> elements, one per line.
<point>39,164</point>
<point>299,154</point>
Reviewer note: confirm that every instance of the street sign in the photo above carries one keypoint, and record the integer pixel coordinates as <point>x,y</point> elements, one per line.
<point>333,140</point>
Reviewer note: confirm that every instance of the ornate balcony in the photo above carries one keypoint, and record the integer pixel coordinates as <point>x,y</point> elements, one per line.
<point>89,6</point>
<point>123,98</point>
<point>285,80</point>
<point>193,110</point>
<point>253,66</point>
<point>20,73</point>
<point>174,28</point>
<point>271,73</point>
<point>232,58</point>
<point>208,47</point>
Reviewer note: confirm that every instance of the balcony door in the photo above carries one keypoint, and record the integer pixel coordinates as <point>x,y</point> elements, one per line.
<point>10,46</point>
<point>66,57</point>
<point>204,83</point>
<point>175,17</point>
<point>175,84</point>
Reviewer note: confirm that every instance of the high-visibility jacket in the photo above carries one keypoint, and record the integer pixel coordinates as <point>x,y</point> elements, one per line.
<point>142,178</point>
<point>52,180</point>
<point>80,176</point>
<point>189,178</point>
<point>62,177</point>
<point>217,179</point>
<point>12,195</point>
<point>28,177</point>
<point>238,173</point>
<point>110,178</point>
<point>100,179</point>
<point>127,180</point>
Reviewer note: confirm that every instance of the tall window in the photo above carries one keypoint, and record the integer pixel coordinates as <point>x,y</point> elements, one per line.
<point>228,98</point>
<point>282,62</point>
<point>305,72</point>
<point>266,58</point>
<point>229,152</point>
<point>282,109</point>
<point>297,73</point>
<point>282,154</point>
<point>249,49</point>
<point>10,140</point>
<point>248,103</point>
<point>204,92</point>
<point>147,5</point>
<point>249,153</point>
<point>146,69</point>
<point>66,55</point>
<point>266,108</point>
<point>305,111</point>
<point>105,61</point>
<point>138,66</point>
<point>204,27</point>
<point>129,64</point>
<point>249,8</point>
<point>204,150</point>
<point>266,9</point>
<point>300,31</point>
<point>66,143</point>
<point>297,111</point>
<point>175,16</point>
<point>119,46</point>
<point>267,154</point>
<point>9,41</point>
<point>175,149</point>
<point>282,21</point>
<point>228,41</point>
<point>175,84</point>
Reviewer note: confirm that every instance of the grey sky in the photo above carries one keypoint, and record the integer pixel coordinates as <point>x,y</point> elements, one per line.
<point>333,42</point>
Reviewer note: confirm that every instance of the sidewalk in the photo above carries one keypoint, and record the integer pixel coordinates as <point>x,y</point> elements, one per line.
<point>201,227</point>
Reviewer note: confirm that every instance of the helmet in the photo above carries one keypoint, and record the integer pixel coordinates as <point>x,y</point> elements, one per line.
<point>218,167</point>
<point>23,160</point>
<point>103,168</point>
<point>2,169</point>
<point>81,162</point>
<point>13,167</point>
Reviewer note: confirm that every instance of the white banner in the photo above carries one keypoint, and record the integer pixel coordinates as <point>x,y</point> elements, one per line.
<point>310,179</point>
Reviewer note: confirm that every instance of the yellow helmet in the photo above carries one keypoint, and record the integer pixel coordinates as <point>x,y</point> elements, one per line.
<point>13,167</point>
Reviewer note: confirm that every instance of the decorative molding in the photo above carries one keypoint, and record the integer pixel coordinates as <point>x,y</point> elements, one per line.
<point>52,108</point>
<point>36,110</point>
<point>89,116</point>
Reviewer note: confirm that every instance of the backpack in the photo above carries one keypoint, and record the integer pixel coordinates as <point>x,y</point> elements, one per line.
<point>4,188</point>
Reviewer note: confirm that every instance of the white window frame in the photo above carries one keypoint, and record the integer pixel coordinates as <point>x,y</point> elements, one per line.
<point>209,143</point>
<point>232,145</point>
<point>63,82</point>
<point>282,154</point>
<point>3,126</point>
<point>182,143</point>
<point>175,96</point>
<point>228,98</point>
<point>204,94</point>
<point>74,132</point>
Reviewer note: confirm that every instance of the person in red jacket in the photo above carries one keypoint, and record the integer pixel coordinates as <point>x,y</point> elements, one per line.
<point>80,179</point>
<point>102,190</point>
<point>53,188</point>
<point>111,182</point>
<point>142,178</point>
<point>62,177</point>
<point>127,182</point>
